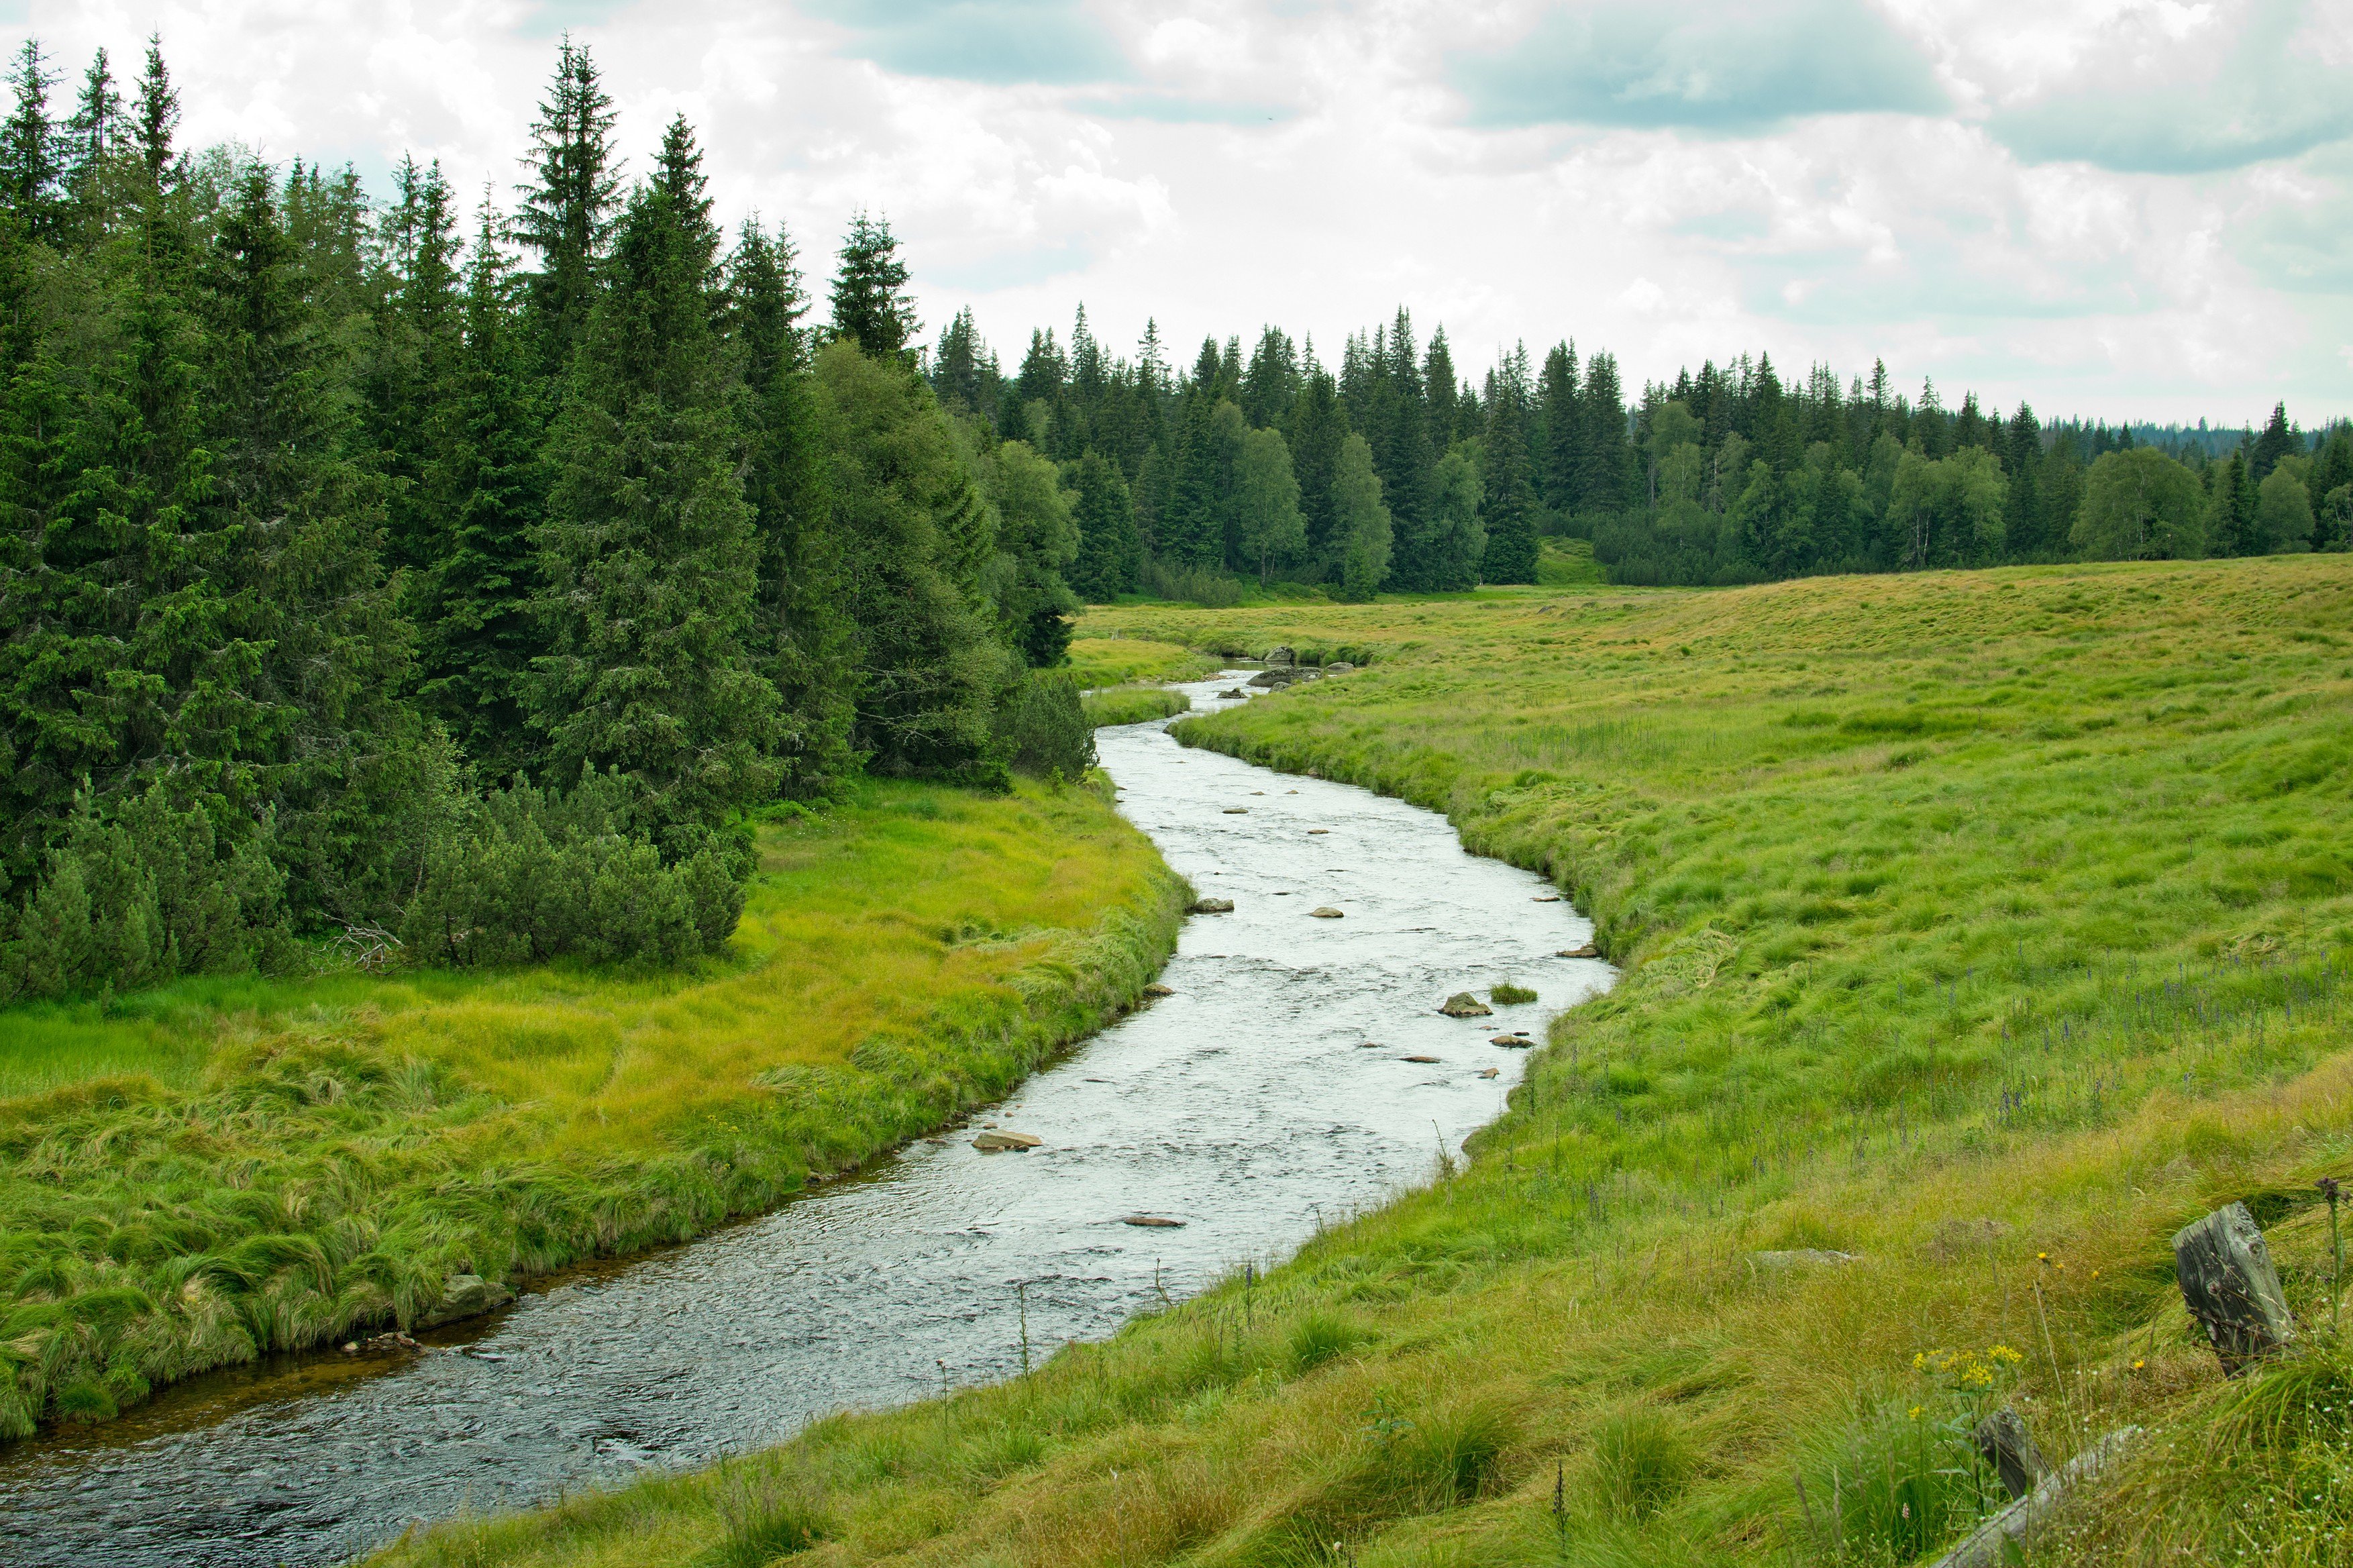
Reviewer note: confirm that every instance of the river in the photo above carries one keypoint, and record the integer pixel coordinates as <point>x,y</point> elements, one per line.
<point>1270,1094</point>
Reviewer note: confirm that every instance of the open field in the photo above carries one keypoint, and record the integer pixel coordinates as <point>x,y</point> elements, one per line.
<point>192,1176</point>
<point>1987,927</point>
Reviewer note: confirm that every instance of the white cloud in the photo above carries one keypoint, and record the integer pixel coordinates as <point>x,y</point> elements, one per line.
<point>2102,206</point>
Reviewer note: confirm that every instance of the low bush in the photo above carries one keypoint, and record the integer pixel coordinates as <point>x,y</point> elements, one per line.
<point>525,875</point>
<point>1043,729</point>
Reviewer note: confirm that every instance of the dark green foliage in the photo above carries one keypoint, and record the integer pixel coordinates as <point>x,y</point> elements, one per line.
<point>140,894</point>
<point>872,306</point>
<point>474,599</point>
<point>1043,729</point>
<point>647,553</point>
<point>913,532</point>
<point>1510,499</point>
<point>523,876</point>
<point>566,212</point>
<point>1110,550</point>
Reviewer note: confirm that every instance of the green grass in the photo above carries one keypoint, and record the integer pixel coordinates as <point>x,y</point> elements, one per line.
<point>194,1176</point>
<point>1102,661</point>
<point>1133,704</point>
<point>1987,927</point>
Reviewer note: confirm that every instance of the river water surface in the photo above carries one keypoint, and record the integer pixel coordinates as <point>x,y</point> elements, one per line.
<point>1268,1095</point>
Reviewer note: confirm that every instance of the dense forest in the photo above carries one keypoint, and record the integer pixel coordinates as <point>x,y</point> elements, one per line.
<point>462,601</point>
<point>1396,474</point>
<point>459,587</point>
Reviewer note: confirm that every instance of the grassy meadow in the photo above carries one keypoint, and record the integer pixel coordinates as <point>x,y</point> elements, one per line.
<point>195,1175</point>
<point>1129,661</point>
<point>1983,927</point>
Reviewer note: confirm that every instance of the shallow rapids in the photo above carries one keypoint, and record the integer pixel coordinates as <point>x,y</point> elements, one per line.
<point>1248,1105</point>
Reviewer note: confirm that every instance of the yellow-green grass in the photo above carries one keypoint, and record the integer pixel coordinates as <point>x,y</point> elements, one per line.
<point>1987,927</point>
<point>1133,704</point>
<point>1124,660</point>
<point>263,1165</point>
<point>1567,564</point>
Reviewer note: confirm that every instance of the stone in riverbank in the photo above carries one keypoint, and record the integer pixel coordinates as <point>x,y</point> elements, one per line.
<point>1210,906</point>
<point>1587,951</point>
<point>465,1296</point>
<point>996,1141</point>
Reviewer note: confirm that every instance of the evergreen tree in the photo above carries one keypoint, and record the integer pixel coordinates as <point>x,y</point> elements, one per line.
<point>32,156</point>
<point>479,631</point>
<point>872,306</point>
<point>1560,418</point>
<point>1193,532</point>
<point>93,137</point>
<point>800,640</point>
<point>1510,511</point>
<point>959,366</point>
<point>2233,525</point>
<point>649,560</point>
<point>419,334</point>
<point>157,118</point>
<point>2280,439</point>
<point>567,208</point>
<point>1109,549</point>
<point>1318,429</point>
<point>909,525</point>
<point>1271,383</point>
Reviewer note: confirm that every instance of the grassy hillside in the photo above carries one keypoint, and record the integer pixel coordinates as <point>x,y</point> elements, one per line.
<point>193,1175</point>
<point>1986,928</point>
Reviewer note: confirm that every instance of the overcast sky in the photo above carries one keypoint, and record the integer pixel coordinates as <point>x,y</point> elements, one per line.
<point>2130,209</point>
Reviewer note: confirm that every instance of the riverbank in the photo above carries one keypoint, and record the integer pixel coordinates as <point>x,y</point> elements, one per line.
<point>194,1176</point>
<point>1980,929</point>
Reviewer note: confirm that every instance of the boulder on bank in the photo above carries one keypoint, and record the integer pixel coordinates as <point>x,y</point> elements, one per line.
<point>1587,951</point>
<point>1157,989</point>
<point>466,1296</point>
<point>1210,906</point>
<point>1281,655</point>
<point>1462,1005</point>
<point>996,1139</point>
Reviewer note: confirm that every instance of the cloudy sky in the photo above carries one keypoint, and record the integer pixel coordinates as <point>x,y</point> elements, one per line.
<point>2108,207</point>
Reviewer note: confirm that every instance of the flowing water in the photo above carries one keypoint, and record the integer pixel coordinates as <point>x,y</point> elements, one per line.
<point>1272,1093</point>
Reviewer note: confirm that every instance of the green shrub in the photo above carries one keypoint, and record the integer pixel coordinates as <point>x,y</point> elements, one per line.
<point>526,875</point>
<point>141,893</point>
<point>1042,729</point>
<point>1510,995</point>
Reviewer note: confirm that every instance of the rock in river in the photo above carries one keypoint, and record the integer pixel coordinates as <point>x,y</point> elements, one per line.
<point>1157,989</point>
<point>992,1142</point>
<point>1238,811</point>
<point>1325,912</point>
<point>465,1296</point>
<point>1210,906</point>
<point>1587,951</point>
<point>1426,1061</point>
<point>1462,1005</point>
<point>1153,1222</point>
<point>1514,1042</point>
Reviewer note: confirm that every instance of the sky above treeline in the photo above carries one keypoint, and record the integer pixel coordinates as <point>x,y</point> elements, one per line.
<point>2119,210</point>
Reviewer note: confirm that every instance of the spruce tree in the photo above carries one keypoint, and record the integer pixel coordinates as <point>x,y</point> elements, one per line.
<point>156,120</point>
<point>872,306</point>
<point>32,155</point>
<point>648,560</point>
<point>479,631</point>
<point>1109,549</point>
<point>1193,532</point>
<point>419,334</point>
<point>1509,510</point>
<point>1560,422</point>
<point>2279,439</point>
<point>1317,429</point>
<point>567,207</point>
<point>800,640</point>
<point>93,137</point>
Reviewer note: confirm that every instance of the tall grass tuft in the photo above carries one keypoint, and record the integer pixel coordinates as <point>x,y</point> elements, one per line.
<point>1642,1462</point>
<point>764,1515</point>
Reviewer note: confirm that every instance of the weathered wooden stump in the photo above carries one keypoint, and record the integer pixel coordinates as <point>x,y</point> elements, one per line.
<point>2009,1448</point>
<point>1991,1545</point>
<point>2230,1288</point>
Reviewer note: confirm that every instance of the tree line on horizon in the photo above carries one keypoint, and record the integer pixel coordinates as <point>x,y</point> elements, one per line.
<point>463,599</point>
<point>1393,473</point>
